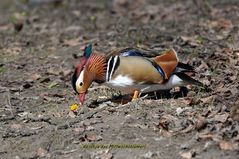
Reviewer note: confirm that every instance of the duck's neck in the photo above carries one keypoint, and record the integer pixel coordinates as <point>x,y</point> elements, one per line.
<point>97,67</point>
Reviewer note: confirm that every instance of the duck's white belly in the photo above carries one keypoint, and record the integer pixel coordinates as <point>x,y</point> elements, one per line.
<point>127,85</point>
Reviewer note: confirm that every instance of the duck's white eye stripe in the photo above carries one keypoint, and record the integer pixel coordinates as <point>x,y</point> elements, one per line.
<point>113,69</point>
<point>80,79</point>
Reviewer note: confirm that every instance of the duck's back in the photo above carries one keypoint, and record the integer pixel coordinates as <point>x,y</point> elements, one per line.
<point>139,69</point>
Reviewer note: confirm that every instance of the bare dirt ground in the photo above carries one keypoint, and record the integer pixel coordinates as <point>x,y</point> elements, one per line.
<point>39,45</point>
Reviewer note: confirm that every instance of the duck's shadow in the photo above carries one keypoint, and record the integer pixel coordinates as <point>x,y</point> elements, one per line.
<point>165,94</point>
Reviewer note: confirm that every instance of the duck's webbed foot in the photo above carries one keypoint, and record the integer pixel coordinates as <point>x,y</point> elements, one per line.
<point>135,96</point>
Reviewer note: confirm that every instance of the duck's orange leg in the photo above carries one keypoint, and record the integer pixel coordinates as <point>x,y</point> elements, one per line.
<point>135,96</point>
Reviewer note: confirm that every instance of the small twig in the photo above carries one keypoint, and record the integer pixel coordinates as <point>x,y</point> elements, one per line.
<point>234,51</point>
<point>9,104</point>
<point>67,152</point>
<point>21,5</point>
<point>98,87</point>
<point>145,96</point>
<point>213,41</point>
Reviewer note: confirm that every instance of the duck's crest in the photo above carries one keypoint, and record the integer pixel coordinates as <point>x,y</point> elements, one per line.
<point>87,51</point>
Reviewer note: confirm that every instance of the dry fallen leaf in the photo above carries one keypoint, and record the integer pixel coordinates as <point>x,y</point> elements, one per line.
<point>72,114</point>
<point>66,72</point>
<point>76,13</point>
<point>4,27</point>
<point>190,101</point>
<point>207,100</point>
<point>165,133</point>
<point>205,136</point>
<point>237,55</point>
<point>79,129</point>
<point>93,137</point>
<point>203,66</point>
<point>72,42</point>
<point>41,152</point>
<point>187,155</point>
<point>234,113</point>
<point>16,126</point>
<point>13,50</point>
<point>220,87</point>
<point>120,6</point>
<point>221,117</point>
<point>188,129</point>
<point>226,145</point>
<point>206,82</point>
<point>200,123</point>
<point>190,40</point>
<point>106,156</point>
<point>224,23</point>
<point>52,71</point>
<point>35,76</point>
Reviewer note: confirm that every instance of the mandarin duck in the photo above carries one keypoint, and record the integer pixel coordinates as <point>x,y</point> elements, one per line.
<point>130,71</point>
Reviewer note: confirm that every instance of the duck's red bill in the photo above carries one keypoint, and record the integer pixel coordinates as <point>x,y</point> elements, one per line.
<point>82,98</point>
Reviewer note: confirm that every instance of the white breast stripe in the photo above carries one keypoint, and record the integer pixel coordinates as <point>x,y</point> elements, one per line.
<point>108,69</point>
<point>116,58</point>
<point>111,69</point>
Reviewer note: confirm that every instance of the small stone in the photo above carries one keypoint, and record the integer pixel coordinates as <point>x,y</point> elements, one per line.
<point>207,145</point>
<point>226,145</point>
<point>106,156</point>
<point>149,154</point>
<point>35,77</point>
<point>66,72</point>
<point>93,137</point>
<point>201,123</point>
<point>79,130</point>
<point>16,126</point>
<point>221,117</point>
<point>184,146</point>
<point>179,110</point>
<point>72,114</point>
<point>187,155</point>
<point>27,85</point>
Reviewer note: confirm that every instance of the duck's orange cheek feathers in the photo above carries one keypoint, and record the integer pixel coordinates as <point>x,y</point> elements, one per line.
<point>82,89</point>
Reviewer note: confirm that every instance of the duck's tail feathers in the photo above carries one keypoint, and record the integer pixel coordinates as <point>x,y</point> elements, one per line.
<point>181,67</point>
<point>187,79</point>
<point>168,61</point>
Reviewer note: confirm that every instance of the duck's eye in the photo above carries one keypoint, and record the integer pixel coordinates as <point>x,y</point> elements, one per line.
<point>81,83</point>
